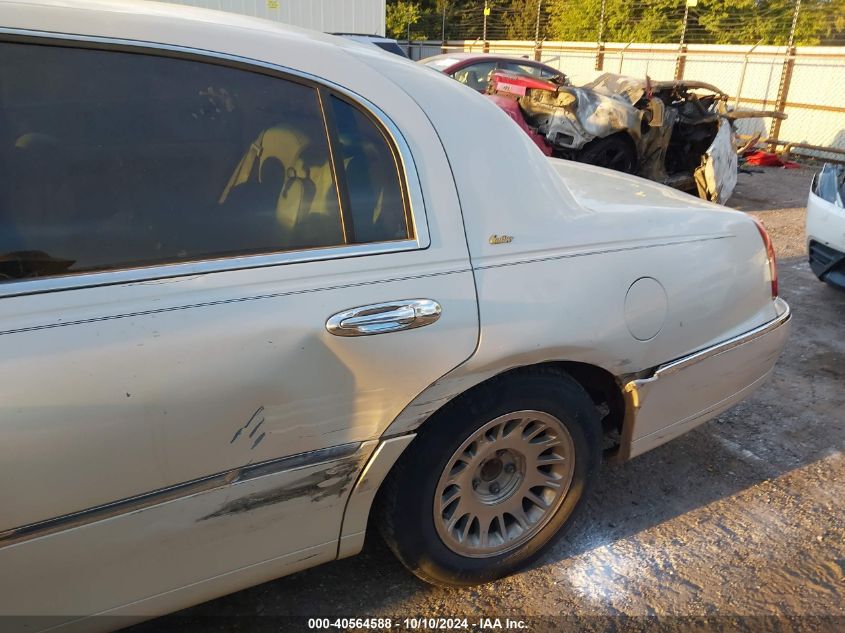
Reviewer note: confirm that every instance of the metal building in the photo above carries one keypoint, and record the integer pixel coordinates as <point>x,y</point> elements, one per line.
<point>330,16</point>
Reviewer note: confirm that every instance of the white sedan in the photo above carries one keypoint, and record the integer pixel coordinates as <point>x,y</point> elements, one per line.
<point>263,289</point>
<point>826,225</point>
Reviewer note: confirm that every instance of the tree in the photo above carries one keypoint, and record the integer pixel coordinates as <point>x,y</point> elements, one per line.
<point>521,19</point>
<point>625,21</point>
<point>659,21</point>
<point>767,21</point>
<point>400,17</point>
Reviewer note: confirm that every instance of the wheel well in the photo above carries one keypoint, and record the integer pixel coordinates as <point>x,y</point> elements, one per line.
<point>603,389</point>
<point>632,144</point>
<point>600,385</point>
<point>624,136</point>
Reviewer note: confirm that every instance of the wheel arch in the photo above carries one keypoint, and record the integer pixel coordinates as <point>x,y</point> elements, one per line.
<point>623,135</point>
<point>602,386</point>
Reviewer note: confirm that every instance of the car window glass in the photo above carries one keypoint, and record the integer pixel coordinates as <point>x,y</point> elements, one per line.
<point>440,63</point>
<point>523,69</point>
<point>376,203</point>
<point>117,159</point>
<point>391,47</point>
<point>476,76</point>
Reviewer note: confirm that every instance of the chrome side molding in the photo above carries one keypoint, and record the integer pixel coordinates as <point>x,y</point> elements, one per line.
<point>720,348</point>
<point>186,489</point>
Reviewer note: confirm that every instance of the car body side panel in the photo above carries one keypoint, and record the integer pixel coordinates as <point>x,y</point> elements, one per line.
<point>176,394</point>
<point>559,245</point>
<point>199,537</point>
<point>569,319</point>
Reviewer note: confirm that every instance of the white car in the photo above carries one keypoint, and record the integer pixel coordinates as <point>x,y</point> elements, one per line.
<point>826,225</point>
<point>263,289</point>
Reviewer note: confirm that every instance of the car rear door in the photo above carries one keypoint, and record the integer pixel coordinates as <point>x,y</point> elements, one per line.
<point>220,284</point>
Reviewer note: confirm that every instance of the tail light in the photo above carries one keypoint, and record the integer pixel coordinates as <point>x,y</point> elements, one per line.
<point>770,254</point>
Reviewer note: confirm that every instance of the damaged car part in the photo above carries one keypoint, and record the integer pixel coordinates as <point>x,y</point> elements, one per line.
<point>678,133</point>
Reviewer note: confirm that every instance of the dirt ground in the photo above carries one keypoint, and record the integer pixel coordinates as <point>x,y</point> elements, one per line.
<point>738,525</point>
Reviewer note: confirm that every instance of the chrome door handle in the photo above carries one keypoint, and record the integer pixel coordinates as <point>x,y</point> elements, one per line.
<point>381,318</point>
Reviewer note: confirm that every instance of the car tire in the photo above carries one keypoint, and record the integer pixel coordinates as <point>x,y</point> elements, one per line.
<point>613,152</point>
<point>533,427</point>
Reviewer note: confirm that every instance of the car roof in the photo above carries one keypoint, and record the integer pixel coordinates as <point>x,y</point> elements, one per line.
<point>452,62</point>
<point>366,36</point>
<point>463,56</point>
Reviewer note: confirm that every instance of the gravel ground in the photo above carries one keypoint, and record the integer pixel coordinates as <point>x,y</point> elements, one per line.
<point>738,525</point>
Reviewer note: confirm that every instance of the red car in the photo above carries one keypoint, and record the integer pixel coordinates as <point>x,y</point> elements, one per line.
<point>474,69</point>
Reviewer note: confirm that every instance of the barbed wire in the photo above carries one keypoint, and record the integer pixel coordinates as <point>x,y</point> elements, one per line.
<point>769,24</point>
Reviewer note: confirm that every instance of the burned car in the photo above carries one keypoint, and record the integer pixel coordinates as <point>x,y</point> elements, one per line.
<point>679,133</point>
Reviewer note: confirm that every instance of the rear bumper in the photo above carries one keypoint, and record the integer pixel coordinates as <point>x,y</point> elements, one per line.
<point>828,264</point>
<point>686,392</point>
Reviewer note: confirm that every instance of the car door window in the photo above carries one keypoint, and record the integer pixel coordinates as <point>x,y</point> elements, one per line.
<point>117,160</point>
<point>476,76</point>
<point>376,201</point>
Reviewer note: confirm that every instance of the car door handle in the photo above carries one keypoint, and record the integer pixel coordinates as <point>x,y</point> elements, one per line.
<point>381,318</point>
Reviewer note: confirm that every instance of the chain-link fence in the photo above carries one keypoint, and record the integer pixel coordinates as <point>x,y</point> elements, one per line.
<point>806,83</point>
<point>769,22</point>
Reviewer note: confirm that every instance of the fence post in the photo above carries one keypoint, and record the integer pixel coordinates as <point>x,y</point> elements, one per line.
<point>681,62</point>
<point>538,51</point>
<point>600,56</point>
<point>486,46</point>
<point>783,93</point>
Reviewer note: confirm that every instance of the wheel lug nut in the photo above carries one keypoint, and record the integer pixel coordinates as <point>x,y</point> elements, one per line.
<point>510,468</point>
<point>494,488</point>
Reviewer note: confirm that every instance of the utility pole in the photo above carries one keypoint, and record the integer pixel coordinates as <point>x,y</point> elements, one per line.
<point>443,28</point>
<point>601,21</point>
<point>794,23</point>
<point>600,41</point>
<point>682,46</point>
<point>686,21</point>
<point>537,54</point>
<point>785,75</point>
<point>485,46</point>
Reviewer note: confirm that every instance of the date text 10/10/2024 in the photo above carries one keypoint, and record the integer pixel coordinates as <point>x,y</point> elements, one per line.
<point>418,624</point>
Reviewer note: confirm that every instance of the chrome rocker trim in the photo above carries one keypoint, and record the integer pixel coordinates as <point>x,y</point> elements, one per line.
<point>172,493</point>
